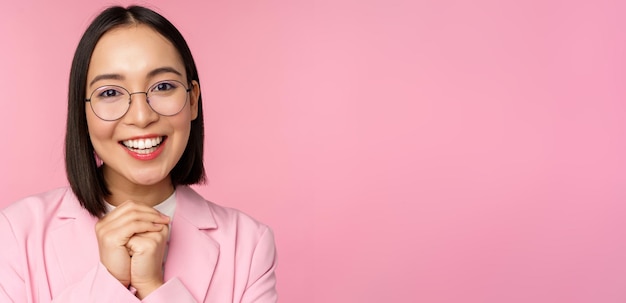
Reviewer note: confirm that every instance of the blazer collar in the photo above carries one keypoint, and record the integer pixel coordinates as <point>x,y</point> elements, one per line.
<point>191,206</point>
<point>70,208</point>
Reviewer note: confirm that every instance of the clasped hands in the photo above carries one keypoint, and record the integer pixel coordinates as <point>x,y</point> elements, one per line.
<point>132,241</point>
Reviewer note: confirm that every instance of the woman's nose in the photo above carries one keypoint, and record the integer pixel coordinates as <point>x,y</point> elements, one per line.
<point>140,113</point>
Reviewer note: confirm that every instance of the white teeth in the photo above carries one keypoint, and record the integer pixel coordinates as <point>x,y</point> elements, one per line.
<point>143,144</point>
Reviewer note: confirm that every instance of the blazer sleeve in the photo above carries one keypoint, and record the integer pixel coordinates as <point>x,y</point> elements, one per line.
<point>262,280</point>
<point>97,286</point>
<point>172,291</point>
<point>100,286</point>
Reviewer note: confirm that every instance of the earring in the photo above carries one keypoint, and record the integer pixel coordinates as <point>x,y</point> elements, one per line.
<point>99,161</point>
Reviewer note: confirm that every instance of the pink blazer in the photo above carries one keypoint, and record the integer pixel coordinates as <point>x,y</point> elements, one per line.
<point>49,253</point>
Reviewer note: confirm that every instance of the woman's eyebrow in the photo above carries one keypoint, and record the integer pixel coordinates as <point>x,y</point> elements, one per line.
<point>106,77</point>
<point>154,72</point>
<point>163,70</point>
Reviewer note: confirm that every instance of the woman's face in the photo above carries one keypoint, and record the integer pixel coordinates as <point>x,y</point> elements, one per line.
<point>135,57</point>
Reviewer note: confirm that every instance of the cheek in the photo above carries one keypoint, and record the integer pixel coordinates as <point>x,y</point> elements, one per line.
<point>98,130</point>
<point>182,121</point>
<point>182,128</point>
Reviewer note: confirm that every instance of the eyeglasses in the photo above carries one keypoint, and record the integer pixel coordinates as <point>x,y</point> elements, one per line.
<point>112,102</point>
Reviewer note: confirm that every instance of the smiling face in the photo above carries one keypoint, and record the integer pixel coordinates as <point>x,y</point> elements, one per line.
<point>140,149</point>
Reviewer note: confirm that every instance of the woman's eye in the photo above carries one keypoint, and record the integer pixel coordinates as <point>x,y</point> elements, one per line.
<point>164,86</point>
<point>107,93</point>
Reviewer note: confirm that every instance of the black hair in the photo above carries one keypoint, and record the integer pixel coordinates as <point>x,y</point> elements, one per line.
<point>84,175</point>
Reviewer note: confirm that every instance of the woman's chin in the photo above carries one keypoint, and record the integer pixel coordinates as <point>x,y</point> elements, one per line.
<point>148,180</point>
<point>136,177</point>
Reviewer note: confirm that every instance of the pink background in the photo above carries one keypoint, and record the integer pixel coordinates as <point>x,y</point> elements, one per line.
<point>403,151</point>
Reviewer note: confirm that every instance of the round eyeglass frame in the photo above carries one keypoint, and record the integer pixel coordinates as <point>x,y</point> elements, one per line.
<point>130,99</point>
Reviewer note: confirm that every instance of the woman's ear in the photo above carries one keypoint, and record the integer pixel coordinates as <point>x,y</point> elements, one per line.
<point>194,97</point>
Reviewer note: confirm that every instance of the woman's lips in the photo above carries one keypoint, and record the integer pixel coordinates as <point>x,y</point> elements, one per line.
<point>142,143</point>
<point>144,148</point>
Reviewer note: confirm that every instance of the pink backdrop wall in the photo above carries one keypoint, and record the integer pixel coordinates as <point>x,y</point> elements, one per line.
<point>403,151</point>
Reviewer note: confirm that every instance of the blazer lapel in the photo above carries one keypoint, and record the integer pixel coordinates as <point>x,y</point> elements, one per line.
<point>73,240</point>
<point>192,254</point>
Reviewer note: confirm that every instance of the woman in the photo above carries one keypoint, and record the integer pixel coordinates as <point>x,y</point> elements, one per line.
<point>130,229</point>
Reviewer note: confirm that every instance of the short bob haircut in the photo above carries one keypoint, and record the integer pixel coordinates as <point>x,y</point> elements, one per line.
<point>84,175</point>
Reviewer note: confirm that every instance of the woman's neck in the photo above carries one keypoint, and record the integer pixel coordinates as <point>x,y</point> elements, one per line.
<point>123,190</point>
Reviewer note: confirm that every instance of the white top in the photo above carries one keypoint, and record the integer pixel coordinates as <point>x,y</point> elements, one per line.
<point>166,207</point>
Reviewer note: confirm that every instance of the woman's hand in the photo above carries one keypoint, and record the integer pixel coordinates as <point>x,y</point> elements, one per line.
<point>115,230</point>
<point>146,266</point>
